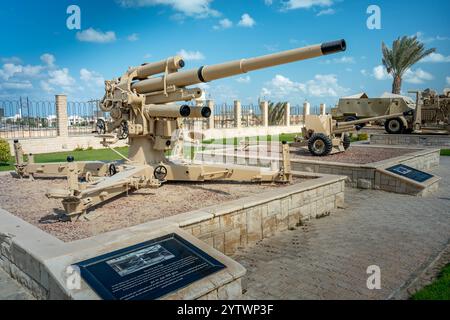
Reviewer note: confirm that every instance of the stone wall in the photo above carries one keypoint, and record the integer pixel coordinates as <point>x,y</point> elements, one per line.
<point>59,144</point>
<point>441,141</point>
<point>229,230</point>
<point>358,176</point>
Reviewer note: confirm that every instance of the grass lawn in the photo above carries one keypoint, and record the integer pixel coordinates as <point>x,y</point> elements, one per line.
<point>445,152</point>
<point>438,290</point>
<point>85,155</point>
<point>288,137</point>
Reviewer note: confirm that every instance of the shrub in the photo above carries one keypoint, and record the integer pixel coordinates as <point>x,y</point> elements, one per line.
<point>78,148</point>
<point>5,153</point>
<point>363,137</point>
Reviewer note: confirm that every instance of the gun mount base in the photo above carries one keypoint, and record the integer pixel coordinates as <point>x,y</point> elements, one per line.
<point>82,196</point>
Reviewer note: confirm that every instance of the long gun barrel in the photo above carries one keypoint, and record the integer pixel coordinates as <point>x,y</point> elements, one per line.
<point>228,69</point>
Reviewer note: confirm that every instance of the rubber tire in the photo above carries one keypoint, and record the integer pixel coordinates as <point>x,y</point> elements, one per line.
<point>401,127</point>
<point>326,141</point>
<point>354,118</point>
<point>346,141</point>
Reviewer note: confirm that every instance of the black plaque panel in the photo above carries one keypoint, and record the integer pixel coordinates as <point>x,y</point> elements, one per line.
<point>148,270</point>
<point>410,173</point>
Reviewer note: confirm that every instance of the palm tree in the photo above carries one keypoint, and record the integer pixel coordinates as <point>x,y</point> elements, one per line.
<point>405,52</point>
<point>276,113</point>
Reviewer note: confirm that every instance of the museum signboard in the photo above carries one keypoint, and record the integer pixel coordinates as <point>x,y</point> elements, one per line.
<point>148,270</point>
<point>410,173</point>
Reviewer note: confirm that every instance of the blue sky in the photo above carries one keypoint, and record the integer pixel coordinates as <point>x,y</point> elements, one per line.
<point>40,56</point>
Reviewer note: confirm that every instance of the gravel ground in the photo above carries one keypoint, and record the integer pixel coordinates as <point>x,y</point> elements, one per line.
<point>356,155</point>
<point>26,199</point>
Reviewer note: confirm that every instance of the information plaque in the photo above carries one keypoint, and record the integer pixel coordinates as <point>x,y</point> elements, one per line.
<point>410,173</point>
<point>148,270</point>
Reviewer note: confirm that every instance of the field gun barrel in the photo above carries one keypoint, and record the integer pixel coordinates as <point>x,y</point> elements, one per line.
<point>228,69</point>
<point>176,111</point>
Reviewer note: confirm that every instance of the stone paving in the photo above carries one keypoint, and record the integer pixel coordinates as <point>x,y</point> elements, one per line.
<point>328,257</point>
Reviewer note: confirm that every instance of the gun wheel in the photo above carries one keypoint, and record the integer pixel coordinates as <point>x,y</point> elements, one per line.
<point>160,173</point>
<point>320,145</point>
<point>101,126</point>
<point>394,126</point>
<point>346,141</point>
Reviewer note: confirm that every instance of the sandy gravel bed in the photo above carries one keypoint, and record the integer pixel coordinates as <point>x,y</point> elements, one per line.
<point>26,199</point>
<point>356,154</point>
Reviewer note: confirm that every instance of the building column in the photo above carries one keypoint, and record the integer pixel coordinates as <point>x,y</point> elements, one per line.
<point>323,109</point>
<point>210,104</point>
<point>306,110</point>
<point>237,114</point>
<point>287,114</point>
<point>61,115</point>
<point>264,105</point>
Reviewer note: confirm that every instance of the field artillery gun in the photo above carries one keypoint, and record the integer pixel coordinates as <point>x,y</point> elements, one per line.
<point>143,107</point>
<point>323,135</point>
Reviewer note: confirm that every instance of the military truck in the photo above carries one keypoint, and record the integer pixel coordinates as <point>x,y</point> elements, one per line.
<point>430,111</point>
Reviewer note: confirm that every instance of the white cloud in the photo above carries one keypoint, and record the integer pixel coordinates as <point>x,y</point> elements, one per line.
<point>224,24</point>
<point>191,55</point>
<point>9,70</point>
<point>422,38</point>
<point>92,78</point>
<point>448,80</point>
<point>282,88</point>
<point>17,85</point>
<point>306,4</point>
<point>92,35</point>
<point>246,21</point>
<point>197,8</point>
<point>46,86</point>
<point>48,59</point>
<point>436,58</point>
<point>148,56</point>
<point>14,60</point>
<point>61,78</point>
<point>268,2</point>
<point>343,60</point>
<point>245,79</point>
<point>133,37</point>
<point>326,12</point>
<point>380,73</point>
<point>417,76</point>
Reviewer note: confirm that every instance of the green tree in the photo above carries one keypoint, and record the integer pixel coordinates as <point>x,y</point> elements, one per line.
<point>405,52</point>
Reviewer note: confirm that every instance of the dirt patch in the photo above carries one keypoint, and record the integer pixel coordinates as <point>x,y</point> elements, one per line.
<point>26,199</point>
<point>355,155</point>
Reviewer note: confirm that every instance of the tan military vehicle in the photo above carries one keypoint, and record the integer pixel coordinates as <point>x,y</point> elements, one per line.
<point>360,106</point>
<point>430,112</point>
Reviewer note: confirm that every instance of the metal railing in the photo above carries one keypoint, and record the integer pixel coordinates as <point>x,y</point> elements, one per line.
<point>24,118</point>
<point>82,117</point>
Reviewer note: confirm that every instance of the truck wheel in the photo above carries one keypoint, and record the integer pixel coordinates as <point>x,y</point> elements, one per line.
<point>346,141</point>
<point>320,145</point>
<point>354,118</point>
<point>394,126</point>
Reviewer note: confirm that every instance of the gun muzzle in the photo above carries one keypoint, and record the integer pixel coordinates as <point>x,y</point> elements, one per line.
<point>166,111</point>
<point>228,69</point>
<point>200,112</point>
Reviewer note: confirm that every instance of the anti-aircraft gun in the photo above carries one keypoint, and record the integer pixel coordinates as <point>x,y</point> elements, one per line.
<point>143,107</point>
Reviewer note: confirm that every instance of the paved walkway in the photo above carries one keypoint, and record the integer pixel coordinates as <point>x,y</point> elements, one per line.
<point>328,258</point>
<point>11,290</point>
